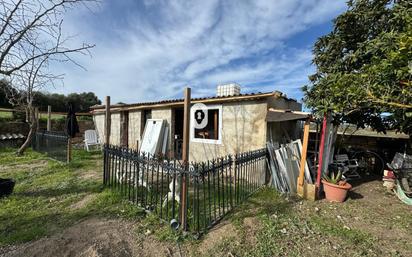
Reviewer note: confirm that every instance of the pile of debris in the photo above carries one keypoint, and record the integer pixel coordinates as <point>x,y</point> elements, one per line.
<point>11,140</point>
<point>284,165</point>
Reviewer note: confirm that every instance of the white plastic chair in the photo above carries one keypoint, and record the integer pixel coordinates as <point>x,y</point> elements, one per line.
<point>350,166</point>
<point>90,139</point>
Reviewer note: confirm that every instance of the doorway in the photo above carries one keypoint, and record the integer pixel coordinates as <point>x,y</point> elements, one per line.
<point>178,115</point>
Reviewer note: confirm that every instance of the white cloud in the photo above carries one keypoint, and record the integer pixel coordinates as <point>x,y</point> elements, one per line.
<point>152,51</point>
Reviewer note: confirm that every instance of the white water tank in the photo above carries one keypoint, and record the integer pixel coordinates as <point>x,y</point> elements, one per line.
<point>228,89</point>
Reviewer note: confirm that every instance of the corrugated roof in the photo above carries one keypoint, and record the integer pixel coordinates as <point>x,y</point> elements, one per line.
<point>239,97</point>
<point>351,130</point>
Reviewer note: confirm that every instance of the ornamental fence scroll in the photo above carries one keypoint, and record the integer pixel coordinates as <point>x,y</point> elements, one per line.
<point>212,188</point>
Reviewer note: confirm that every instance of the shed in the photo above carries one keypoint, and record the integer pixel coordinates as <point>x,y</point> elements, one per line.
<point>236,123</point>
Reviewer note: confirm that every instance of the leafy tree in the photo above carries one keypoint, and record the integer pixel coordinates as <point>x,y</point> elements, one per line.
<point>364,66</point>
<point>4,88</point>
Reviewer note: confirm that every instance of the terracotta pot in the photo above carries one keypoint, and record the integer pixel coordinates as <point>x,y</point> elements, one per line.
<point>336,193</point>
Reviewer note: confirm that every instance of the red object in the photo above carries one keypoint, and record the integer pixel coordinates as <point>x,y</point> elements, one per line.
<point>321,149</point>
<point>389,174</point>
<point>336,193</point>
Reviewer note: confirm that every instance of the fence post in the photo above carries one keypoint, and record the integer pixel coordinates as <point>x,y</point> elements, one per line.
<point>69,149</point>
<point>107,122</point>
<point>185,157</point>
<point>49,118</point>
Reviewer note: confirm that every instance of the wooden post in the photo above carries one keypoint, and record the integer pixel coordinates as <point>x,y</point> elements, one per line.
<point>49,118</point>
<point>305,190</point>
<point>69,149</point>
<point>304,152</point>
<point>185,157</point>
<point>107,121</point>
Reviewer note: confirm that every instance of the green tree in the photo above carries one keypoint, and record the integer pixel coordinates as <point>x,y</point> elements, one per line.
<point>364,66</point>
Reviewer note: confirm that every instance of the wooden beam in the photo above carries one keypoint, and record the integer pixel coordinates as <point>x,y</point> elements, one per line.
<point>107,122</point>
<point>185,157</point>
<point>49,118</point>
<point>304,153</point>
<point>186,125</point>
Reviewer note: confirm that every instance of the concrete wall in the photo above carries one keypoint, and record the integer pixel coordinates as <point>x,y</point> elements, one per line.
<point>114,128</point>
<point>99,125</point>
<point>283,132</point>
<point>165,114</point>
<point>243,129</point>
<point>282,103</point>
<point>135,121</point>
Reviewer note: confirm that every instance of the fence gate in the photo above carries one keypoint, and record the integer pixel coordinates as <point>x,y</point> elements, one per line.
<point>53,143</point>
<point>213,188</point>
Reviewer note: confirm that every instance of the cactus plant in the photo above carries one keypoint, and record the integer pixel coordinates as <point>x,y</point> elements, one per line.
<point>334,178</point>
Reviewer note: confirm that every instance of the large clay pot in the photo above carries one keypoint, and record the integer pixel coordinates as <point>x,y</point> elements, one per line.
<point>336,193</point>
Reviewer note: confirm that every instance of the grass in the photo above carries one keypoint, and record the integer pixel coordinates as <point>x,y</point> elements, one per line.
<point>46,192</point>
<point>6,114</point>
<point>279,229</point>
<point>50,196</point>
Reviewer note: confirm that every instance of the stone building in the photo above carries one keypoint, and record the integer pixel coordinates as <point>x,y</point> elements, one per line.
<point>237,123</point>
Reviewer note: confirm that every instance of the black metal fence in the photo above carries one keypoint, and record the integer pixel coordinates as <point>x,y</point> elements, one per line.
<point>53,143</point>
<point>196,197</point>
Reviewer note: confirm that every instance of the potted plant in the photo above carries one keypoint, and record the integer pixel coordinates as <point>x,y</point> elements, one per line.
<point>335,187</point>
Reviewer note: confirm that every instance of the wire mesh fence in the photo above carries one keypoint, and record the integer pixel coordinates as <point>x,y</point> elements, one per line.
<point>52,143</point>
<point>195,196</point>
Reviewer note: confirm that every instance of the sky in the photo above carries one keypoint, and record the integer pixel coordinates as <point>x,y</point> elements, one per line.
<point>150,50</point>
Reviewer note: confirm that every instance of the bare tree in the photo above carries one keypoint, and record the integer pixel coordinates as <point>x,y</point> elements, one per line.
<point>30,39</point>
<point>26,82</point>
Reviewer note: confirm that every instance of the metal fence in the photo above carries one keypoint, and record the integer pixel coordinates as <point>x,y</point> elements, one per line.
<point>196,197</point>
<point>53,143</point>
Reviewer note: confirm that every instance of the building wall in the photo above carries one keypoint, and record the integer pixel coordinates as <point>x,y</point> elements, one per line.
<point>283,132</point>
<point>99,125</point>
<point>114,128</point>
<point>282,103</point>
<point>243,129</point>
<point>165,114</point>
<point>135,120</point>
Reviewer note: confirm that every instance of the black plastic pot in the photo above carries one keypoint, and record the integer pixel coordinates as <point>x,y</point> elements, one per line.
<point>6,186</point>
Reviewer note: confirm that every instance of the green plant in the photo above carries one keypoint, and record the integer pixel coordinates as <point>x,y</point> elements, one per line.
<point>334,178</point>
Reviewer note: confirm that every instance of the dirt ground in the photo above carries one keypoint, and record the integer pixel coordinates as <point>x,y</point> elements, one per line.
<point>370,210</point>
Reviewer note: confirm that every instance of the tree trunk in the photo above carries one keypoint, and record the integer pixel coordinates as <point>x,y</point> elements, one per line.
<point>33,128</point>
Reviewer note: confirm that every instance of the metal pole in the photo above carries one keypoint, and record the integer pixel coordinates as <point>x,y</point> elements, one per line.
<point>49,118</point>
<point>185,156</point>
<point>107,122</point>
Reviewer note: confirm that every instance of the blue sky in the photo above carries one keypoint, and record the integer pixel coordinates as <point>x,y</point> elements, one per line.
<point>149,50</point>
